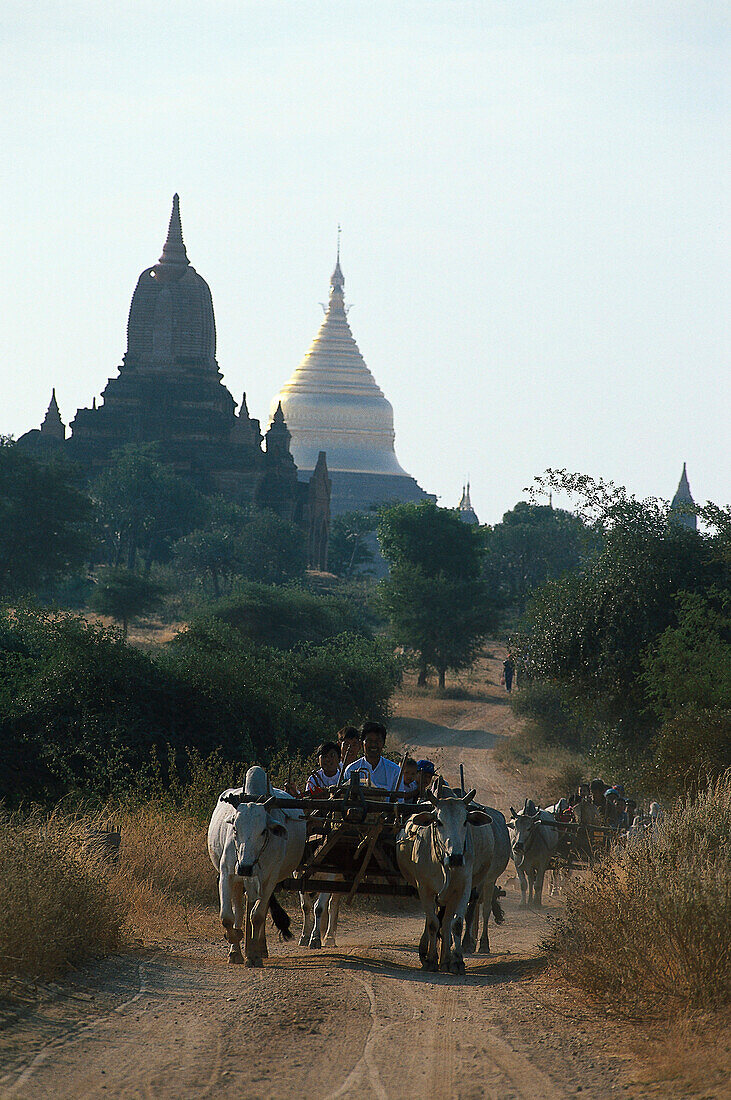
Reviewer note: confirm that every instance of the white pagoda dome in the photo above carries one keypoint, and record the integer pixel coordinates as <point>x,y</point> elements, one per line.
<point>332,403</point>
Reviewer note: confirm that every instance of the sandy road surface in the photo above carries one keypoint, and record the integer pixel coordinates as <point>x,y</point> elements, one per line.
<point>361,1021</point>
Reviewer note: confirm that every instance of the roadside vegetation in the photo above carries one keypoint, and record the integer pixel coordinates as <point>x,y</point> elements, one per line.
<point>625,662</point>
<point>649,931</point>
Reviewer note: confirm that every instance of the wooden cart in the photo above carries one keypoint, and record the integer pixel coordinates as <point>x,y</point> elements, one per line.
<point>580,846</point>
<point>352,834</point>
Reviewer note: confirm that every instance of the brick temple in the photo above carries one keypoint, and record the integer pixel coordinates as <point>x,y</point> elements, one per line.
<point>169,391</point>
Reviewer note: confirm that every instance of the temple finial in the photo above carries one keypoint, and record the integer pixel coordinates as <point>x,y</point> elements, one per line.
<point>173,251</point>
<point>337,282</point>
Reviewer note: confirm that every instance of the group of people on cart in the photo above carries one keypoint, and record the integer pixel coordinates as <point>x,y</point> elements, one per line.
<point>362,751</point>
<point>596,803</point>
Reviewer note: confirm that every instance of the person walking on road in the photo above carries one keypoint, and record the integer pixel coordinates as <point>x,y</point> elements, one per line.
<point>508,673</point>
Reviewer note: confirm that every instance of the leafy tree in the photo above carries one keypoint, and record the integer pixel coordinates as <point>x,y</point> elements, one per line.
<point>45,521</point>
<point>348,548</point>
<point>534,543</point>
<point>144,507</point>
<point>434,597</point>
<point>215,552</point>
<point>124,595</point>
<point>690,664</point>
<point>434,539</point>
<point>272,550</point>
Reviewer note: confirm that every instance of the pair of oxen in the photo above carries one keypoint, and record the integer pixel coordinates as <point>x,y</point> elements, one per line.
<point>451,851</point>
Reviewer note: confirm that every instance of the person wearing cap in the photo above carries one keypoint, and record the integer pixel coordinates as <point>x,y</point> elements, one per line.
<point>425,771</point>
<point>328,774</point>
<point>373,764</point>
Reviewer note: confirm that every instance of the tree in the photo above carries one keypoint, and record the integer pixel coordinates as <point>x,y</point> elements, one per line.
<point>348,549</point>
<point>144,507</point>
<point>432,538</point>
<point>45,521</point>
<point>533,544</point>
<point>434,597</point>
<point>215,552</point>
<point>272,550</point>
<point>124,595</point>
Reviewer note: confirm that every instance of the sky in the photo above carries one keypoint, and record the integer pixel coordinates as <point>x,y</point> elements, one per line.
<point>533,199</point>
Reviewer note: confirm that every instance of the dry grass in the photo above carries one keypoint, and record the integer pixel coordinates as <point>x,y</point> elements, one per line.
<point>61,903</point>
<point>56,907</point>
<point>650,929</point>
<point>543,769</point>
<point>164,874</point>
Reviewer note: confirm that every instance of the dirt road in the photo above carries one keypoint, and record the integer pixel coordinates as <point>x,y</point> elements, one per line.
<point>359,1021</point>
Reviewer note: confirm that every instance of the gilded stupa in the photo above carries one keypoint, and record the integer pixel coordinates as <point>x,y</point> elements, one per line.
<point>332,403</point>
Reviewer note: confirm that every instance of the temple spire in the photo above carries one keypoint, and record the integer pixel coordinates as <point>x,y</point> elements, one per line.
<point>337,281</point>
<point>682,503</point>
<point>173,251</point>
<point>53,425</point>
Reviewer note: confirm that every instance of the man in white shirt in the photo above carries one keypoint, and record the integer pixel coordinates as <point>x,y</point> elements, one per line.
<point>381,772</point>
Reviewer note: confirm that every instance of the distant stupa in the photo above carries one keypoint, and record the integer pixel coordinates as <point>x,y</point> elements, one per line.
<point>333,404</point>
<point>683,500</point>
<point>466,512</point>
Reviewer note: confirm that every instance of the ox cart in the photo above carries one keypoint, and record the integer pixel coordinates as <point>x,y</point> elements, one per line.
<point>351,834</point>
<point>580,846</point>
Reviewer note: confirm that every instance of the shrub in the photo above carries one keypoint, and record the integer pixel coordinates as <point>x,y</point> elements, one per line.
<point>692,745</point>
<point>285,617</point>
<point>650,928</point>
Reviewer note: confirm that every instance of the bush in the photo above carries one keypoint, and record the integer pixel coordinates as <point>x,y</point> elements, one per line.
<point>285,617</point>
<point>56,907</point>
<point>692,745</point>
<point>650,928</point>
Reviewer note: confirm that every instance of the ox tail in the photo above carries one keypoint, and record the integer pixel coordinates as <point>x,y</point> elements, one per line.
<point>497,909</point>
<point>281,918</point>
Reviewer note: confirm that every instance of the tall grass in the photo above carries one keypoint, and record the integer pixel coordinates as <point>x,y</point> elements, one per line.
<point>56,907</point>
<point>650,929</point>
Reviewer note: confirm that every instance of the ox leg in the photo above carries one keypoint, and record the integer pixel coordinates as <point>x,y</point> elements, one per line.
<point>332,920</point>
<point>230,893</point>
<point>307,918</point>
<point>488,890</point>
<point>471,923</point>
<point>320,907</point>
<point>256,911</point>
<point>523,880</point>
<point>429,959</point>
<point>538,888</point>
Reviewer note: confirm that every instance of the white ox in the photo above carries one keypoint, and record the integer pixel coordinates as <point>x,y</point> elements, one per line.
<point>532,842</point>
<point>253,847</point>
<point>438,850</point>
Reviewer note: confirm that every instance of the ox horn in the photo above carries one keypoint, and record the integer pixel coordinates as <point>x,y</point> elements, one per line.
<point>431,797</point>
<point>469,796</point>
<point>512,812</point>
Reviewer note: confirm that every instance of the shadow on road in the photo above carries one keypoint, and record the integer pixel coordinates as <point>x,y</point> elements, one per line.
<point>429,733</point>
<point>498,970</point>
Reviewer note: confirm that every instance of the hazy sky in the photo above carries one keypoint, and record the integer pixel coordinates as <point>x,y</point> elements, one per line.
<point>534,201</point>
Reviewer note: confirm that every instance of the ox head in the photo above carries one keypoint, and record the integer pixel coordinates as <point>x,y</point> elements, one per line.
<point>253,828</point>
<point>522,829</point>
<point>449,818</point>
